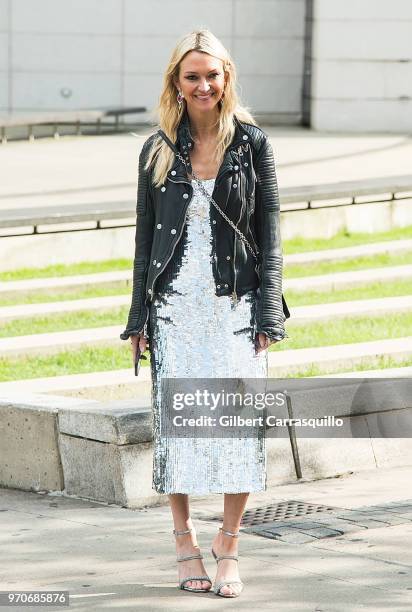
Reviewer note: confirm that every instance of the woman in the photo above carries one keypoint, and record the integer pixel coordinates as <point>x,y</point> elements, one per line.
<point>208,307</point>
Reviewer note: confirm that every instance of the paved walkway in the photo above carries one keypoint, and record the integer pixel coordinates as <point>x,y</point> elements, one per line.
<point>112,558</point>
<point>303,157</point>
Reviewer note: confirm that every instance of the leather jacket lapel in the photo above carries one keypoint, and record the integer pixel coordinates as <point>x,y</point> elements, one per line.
<point>184,143</point>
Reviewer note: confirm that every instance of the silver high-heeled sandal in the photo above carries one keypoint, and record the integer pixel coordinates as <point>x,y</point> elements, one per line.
<point>187,558</point>
<point>217,588</point>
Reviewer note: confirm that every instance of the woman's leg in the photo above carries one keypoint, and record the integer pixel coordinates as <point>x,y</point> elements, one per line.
<point>224,544</point>
<point>186,544</point>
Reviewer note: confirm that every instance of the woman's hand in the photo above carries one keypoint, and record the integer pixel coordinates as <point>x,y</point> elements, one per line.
<point>263,342</point>
<point>138,340</point>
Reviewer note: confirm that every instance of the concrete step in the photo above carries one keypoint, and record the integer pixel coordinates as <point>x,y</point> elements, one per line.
<point>65,282</point>
<point>78,382</point>
<point>405,372</point>
<point>25,311</point>
<point>100,278</point>
<point>51,343</point>
<point>340,356</point>
<point>332,310</point>
<point>343,280</point>
<point>55,341</point>
<point>105,460</point>
<point>97,385</point>
<point>103,450</point>
<point>335,280</point>
<point>298,313</point>
<point>360,250</point>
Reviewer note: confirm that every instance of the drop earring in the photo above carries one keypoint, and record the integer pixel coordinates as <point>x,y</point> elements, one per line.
<point>180,99</point>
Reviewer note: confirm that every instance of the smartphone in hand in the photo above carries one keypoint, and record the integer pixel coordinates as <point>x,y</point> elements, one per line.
<point>138,359</point>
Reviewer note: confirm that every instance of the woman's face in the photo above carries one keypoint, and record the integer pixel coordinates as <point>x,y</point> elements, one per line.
<point>201,80</point>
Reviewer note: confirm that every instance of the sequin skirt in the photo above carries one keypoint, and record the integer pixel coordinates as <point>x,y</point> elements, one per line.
<point>196,334</point>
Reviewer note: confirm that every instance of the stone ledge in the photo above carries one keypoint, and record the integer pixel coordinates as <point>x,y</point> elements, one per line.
<point>116,474</point>
<point>106,452</point>
<point>121,422</point>
<point>30,456</point>
<point>103,451</point>
<point>99,451</point>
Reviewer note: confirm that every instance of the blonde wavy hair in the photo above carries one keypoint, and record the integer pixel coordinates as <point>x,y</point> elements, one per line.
<point>167,111</point>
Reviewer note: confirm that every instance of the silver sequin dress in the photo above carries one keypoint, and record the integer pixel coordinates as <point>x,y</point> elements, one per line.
<point>196,334</point>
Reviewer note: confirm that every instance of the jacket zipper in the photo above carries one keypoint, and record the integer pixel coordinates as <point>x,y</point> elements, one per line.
<point>173,250</point>
<point>169,179</point>
<point>144,328</point>
<point>220,173</point>
<point>235,297</point>
<point>234,294</point>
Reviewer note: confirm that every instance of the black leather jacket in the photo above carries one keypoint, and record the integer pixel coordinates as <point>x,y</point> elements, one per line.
<point>246,190</point>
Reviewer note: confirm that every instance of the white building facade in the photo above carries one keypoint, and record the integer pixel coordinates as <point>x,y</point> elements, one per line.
<point>328,64</point>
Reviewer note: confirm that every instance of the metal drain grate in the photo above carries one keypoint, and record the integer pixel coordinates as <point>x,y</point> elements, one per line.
<point>280,511</point>
<point>297,522</point>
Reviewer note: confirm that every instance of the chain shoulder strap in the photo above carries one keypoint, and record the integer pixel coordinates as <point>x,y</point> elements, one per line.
<point>211,200</point>
<point>209,197</point>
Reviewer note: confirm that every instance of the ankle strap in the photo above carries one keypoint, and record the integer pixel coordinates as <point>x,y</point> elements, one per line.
<point>231,533</point>
<point>176,532</point>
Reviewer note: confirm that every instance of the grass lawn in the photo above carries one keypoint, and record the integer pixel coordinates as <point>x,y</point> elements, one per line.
<point>345,330</point>
<point>319,333</point>
<point>79,361</point>
<point>358,263</point>
<point>382,362</point>
<point>86,267</point>
<point>296,298</point>
<point>95,359</point>
<point>296,245</point>
<point>103,359</point>
<point>344,239</point>
<point>358,292</point>
<point>81,319</point>
<point>61,295</point>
